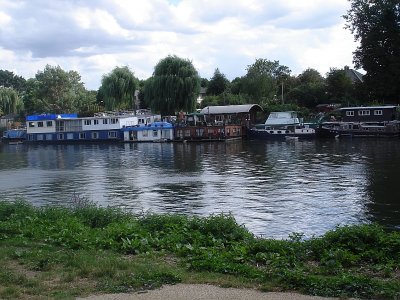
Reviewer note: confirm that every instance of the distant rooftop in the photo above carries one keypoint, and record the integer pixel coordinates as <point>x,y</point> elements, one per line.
<point>354,75</point>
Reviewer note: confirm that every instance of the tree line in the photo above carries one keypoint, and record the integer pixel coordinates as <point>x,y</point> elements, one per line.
<point>175,83</point>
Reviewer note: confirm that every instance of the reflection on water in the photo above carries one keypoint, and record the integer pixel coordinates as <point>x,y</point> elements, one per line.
<point>273,188</point>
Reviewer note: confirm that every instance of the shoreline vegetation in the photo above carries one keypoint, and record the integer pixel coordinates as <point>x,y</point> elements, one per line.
<point>66,252</point>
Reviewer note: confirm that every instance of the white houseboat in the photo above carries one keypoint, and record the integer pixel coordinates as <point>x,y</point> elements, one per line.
<point>152,132</point>
<point>61,128</point>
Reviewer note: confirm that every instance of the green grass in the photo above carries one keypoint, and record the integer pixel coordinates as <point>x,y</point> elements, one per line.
<point>68,252</point>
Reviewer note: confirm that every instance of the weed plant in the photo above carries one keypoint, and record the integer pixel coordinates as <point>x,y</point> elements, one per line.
<point>115,251</point>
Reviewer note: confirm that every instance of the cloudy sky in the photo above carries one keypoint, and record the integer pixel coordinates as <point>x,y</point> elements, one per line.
<point>94,36</point>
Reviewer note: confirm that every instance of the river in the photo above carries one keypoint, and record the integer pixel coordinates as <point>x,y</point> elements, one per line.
<point>272,188</point>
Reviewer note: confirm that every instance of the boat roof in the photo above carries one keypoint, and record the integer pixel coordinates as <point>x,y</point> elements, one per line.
<point>369,107</point>
<point>151,126</point>
<point>51,117</point>
<point>282,118</point>
<point>230,109</point>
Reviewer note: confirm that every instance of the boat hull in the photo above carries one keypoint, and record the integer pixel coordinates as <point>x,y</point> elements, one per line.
<point>362,130</point>
<point>260,134</point>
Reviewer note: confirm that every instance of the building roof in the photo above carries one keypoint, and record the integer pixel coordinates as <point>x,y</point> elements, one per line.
<point>353,75</point>
<point>230,109</point>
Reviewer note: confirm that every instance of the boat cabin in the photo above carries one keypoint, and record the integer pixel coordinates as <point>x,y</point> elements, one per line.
<point>244,115</point>
<point>369,113</point>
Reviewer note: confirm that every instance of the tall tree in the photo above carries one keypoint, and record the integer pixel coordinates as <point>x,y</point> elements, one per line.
<point>118,89</point>
<point>217,84</point>
<point>376,25</point>
<point>10,102</point>
<point>174,86</point>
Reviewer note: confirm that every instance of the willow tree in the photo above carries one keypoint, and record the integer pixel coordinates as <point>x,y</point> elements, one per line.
<point>118,89</point>
<point>174,86</point>
<point>10,103</point>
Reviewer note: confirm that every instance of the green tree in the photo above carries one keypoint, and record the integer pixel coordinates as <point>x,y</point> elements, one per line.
<point>264,80</point>
<point>10,102</point>
<point>376,26</point>
<point>118,89</point>
<point>9,79</point>
<point>339,86</point>
<point>309,89</point>
<point>174,86</point>
<point>55,90</point>
<point>217,84</point>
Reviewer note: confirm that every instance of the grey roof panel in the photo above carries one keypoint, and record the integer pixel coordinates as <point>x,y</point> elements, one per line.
<point>229,109</point>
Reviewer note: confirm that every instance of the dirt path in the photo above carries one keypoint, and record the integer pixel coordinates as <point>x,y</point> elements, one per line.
<point>203,292</point>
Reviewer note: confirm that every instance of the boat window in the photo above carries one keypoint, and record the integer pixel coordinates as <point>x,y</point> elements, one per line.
<point>70,136</point>
<point>40,137</point>
<point>287,131</point>
<point>378,112</point>
<point>60,136</point>
<point>363,112</point>
<point>31,124</point>
<point>96,122</point>
<point>82,135</point>
<point>88,122</point>
<point>271,132</point>
<point>155,133</point>
<point>40,124</point>
<point>112,134</point>
<point>350,113</point>
<point>279,131</point>
<point>49,137</point>
<point>49,123</point>
<point>105,121</point>
<point>95,135</point>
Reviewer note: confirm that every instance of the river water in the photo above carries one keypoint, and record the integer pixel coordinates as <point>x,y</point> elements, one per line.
<point>272,188</point>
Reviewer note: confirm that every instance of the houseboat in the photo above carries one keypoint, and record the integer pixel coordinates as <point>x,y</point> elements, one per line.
<point>281,126</point>
<point>197,127</point>
<point>371,121</point>
<point>68,128</point>
<point>152,132</point>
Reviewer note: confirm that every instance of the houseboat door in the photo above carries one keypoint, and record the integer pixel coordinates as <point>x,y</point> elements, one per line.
<point>133,135</point>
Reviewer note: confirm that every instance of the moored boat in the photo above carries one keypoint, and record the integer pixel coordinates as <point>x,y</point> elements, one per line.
<point>370,121</point>
<point>14,136</point>
<point>360,129</point>
<point>281,126</point>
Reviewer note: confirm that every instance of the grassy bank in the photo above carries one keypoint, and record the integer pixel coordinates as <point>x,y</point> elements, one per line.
<point>66,252</point>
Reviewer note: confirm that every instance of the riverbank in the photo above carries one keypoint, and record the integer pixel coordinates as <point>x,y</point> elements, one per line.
<point>84,250</point>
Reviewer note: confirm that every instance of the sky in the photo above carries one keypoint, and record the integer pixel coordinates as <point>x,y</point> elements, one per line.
<point>92,37</point>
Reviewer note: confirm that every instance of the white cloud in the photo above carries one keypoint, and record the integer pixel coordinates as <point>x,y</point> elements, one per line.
<point>95,36</point>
